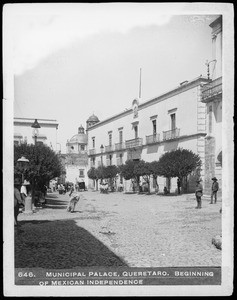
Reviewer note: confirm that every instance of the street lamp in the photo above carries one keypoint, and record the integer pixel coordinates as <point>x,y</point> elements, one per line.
<point>208,67</point>
<point>101,150</point>
<point>35,127</point>
<point>22,162</point>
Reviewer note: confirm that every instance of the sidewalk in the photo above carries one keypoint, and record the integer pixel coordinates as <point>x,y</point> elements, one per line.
<point>119,229</point>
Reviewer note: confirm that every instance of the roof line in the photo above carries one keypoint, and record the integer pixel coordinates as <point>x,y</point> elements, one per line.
<point>34,119</point>
<point>154,99</point>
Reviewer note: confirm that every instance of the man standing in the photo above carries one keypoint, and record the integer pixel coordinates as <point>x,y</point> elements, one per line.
<point>198,193</point>
<point>215,188</point>
<point>178,185</point>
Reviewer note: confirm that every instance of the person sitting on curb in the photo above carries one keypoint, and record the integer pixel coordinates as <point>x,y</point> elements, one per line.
<point>198,193</point>
<point>74,198</point>
<point>215,188</point>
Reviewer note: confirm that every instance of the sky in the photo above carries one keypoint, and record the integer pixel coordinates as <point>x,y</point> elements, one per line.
<point>71,61</point>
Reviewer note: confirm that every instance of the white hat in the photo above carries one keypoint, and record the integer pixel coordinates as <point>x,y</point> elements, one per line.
<point>26,182</point>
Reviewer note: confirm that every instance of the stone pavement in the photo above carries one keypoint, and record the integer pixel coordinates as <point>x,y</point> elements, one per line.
<point>119,229</point>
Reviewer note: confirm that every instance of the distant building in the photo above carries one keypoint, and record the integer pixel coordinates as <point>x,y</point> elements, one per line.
<point>46,134</point>
<point>76,159</point>
<point>176,119</point>
<point>212,98</point>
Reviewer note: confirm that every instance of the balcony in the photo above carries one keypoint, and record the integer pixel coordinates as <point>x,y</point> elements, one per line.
<point>119,146</point>
<point>92,151</point>
<point>109,148</point>
<point>212,90</point>
<point>133,143</point>
<point>151,139</point>
<point>171,134</point>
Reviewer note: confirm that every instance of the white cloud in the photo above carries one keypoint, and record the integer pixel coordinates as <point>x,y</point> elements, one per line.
<point>39,31</point>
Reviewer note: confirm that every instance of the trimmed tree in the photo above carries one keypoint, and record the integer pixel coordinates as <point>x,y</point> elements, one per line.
<point>110,173</point>
<point>96,174</point>
<point>127,172</point>
<point>92,174</point>
<point>143,169</point>
<point>178,163</point>
<point>44,165</point>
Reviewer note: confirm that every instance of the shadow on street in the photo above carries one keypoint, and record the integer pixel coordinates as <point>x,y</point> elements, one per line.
<point>53,201</point>
<point>60,244</point>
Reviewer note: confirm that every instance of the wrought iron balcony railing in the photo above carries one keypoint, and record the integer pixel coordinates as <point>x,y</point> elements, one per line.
<point>92,151</point>
<point>119,146</point>
<point>133,143</point>
<point>171,134</point>
<point>109,148</point>
<point>212,89</point>
<point>154,138</point>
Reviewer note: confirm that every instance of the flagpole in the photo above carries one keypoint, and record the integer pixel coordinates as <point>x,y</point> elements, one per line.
<point>140,83</point>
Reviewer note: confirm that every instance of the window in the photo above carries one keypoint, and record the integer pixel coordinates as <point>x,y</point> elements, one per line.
<point>82,147</point>
<point>154,127</point>
<point>136,131</point>
<point>81,173</point>
<point>120,136</point>
<point>110,160</point>
<point>110,139</point>
<point>173,123</point>
<point>93,142</point>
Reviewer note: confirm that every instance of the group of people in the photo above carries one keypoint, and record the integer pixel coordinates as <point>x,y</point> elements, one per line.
<point>199,192</point>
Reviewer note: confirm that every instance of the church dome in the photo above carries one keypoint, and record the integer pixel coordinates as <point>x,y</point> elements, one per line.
<point>93,118</point>
<point>80,138</point>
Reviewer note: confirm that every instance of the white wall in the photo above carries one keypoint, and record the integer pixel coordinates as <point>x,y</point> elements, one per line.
<point>50,133</point>
<point>73,174</point>
<point>187,107</point>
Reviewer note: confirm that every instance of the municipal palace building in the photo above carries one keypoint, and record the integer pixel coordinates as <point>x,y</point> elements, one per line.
<point>189,116</point>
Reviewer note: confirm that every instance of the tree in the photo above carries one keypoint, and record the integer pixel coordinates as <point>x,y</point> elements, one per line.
<point>127,171</point>
<point>110,173</point>
<point>44,165</point>
<point>93,175</point>
<point>143,169</point>
<point>178,163</point>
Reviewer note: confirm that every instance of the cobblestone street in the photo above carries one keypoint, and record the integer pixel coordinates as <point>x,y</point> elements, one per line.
<point>119,229</point>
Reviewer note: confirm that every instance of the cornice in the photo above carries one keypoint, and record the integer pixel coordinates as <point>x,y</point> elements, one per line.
<point>184,87</point>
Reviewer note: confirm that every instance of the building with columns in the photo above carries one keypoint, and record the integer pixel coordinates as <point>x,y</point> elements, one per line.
<point>212,98</point>
<point>46,134</point>
<point>176,119</point>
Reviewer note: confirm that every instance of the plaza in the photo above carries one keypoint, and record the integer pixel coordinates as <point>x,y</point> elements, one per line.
<point>119,229</point>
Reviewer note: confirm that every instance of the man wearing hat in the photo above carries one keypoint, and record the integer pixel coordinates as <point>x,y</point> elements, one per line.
<point>215,188</point>
<point>199,193</point>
